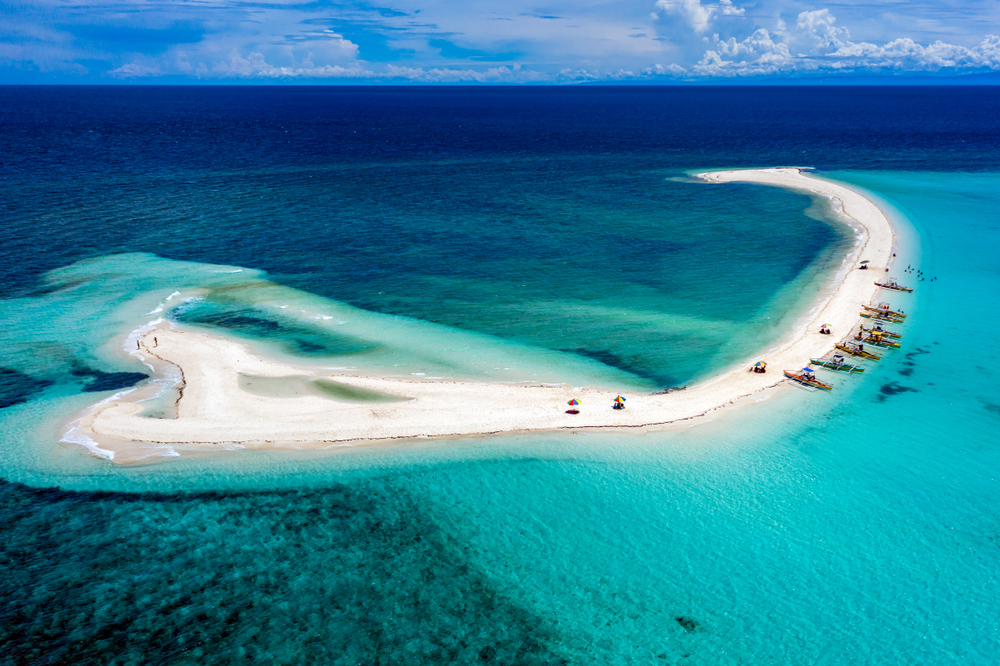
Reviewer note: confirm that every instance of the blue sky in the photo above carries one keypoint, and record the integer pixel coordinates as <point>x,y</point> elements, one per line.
<point>474,41</point>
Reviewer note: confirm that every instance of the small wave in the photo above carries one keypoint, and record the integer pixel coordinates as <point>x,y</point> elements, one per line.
<point>164,302</point>
<point>169,452</point>
<point>238,270</point>
<point>74,434</point>
<point>132,339</point>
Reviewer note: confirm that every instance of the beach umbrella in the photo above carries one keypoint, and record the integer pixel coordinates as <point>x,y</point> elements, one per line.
<point>865,261</point>
<point>619,399</point>
<point>573,403</point>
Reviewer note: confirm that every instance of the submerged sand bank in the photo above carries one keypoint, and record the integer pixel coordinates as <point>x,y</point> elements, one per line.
<point>216,410</point>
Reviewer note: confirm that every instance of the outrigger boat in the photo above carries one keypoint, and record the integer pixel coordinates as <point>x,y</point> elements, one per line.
<point>883,308</point>
<point>877,316</point>
<point>892,284</point>
<point>808,378</point>
<point>877,341</point>
<point>857,350</point>
<point>877,328</point>
<point>837,363</point>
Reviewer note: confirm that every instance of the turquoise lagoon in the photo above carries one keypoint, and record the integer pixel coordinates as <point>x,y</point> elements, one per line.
<point>852,528</point>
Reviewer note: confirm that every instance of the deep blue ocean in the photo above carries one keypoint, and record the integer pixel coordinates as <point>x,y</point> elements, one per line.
<point>505,234</point>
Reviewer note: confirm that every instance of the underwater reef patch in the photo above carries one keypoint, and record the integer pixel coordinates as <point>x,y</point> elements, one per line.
<point>107,381</point>
<point>633,367</point>
<point>17,387</point>
<point>891,389</point>
<point>689,624</point>
<point>297,338</point>
<point>339,575</point>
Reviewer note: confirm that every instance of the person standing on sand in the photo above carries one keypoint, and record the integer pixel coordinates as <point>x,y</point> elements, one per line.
<point>155,343</point>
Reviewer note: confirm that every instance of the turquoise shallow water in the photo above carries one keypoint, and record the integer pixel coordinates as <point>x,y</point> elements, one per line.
<point>853,528</point>
<point>503,234</point>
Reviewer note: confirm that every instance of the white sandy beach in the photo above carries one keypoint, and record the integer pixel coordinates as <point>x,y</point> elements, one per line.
<point>215,412</point>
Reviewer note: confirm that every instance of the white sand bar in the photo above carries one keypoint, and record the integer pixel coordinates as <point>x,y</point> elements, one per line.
<point>214,411</point>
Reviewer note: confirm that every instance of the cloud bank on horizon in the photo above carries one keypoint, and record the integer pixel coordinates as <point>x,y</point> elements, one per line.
<point>483,42</point>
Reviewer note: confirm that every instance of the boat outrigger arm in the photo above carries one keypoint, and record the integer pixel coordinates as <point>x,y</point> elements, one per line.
<point>808,378</point>
<point>892,284</point>
<point>837,363</point>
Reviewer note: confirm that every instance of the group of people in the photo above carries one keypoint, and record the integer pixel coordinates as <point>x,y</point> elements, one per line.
<point>920,273</point>
<point>759,368</point>
<point>824,330</point>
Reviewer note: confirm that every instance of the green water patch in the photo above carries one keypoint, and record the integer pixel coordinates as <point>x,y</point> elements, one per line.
<point>295,386</point>
<point>349,393</point>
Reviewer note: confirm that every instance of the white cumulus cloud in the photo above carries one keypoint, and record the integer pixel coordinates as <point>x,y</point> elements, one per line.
<point>695,14</point>
<point>816,45</point>
<point>815,31</point>
<point>135,70</point>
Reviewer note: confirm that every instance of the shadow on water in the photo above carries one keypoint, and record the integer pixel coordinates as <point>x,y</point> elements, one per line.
<point>344,575</point>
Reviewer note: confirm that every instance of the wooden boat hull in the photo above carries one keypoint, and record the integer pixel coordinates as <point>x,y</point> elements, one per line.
<point>894,287</point>
<point>878,317</point>
<point>883,344</point>
<point>885,334</point>
<point>862,354</point>
<point>843,367</point>
<point>891,313</point>
<point>815,383</point>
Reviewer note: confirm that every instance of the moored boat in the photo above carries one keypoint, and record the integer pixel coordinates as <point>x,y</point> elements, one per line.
<point>857,350</point>
<point>807,378</point>
<point>884,309</point>
<point>877,340</point>
<point>837,363</point>
<point>877,316</point>
<point>877,328</point>
<point>892,284</point>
